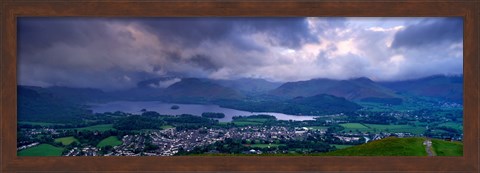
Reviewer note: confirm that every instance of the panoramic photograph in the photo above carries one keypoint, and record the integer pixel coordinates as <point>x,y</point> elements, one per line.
<point>240,86</point>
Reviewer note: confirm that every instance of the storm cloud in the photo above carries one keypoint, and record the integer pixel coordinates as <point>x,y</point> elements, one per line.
<point>430,32</point>
<point>117,53</point>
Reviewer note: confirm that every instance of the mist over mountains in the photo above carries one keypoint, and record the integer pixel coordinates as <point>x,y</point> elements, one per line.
<point>449,88</point>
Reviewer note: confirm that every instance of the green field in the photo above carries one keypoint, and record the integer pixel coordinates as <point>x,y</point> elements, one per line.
<point>342,146</point>
<point>166,127</point>
<point>67,140</point>
<point>385,147</point>
<point>101,128</point>
<point>354,126</point>
<point>41,150</point>
<point>397,128</point>
<point>453,125</point>
<point>447,148</point>
<point>112,141</point>
<point>373,128</point>
<point>246,123</point>
<point>266,145</point>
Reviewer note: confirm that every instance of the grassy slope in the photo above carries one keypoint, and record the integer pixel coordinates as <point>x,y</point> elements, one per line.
<point>41,150</point>
<point>400,147</point>
<point>66,140</point>
<point>385,147</point>
<point>378,127</point>
<point>112,141</point>
<point>446,148</point>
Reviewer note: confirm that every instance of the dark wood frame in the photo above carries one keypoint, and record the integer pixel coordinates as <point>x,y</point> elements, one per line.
<point>10,10</point>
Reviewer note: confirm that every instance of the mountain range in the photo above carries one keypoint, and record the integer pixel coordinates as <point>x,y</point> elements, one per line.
<point>299,97</point>
<point>449,88</point>
<point>354,89</point>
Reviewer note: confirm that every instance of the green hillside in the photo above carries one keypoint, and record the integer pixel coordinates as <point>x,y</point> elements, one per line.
<point>400,147</point>
<point>67,140</point>
<point>41,150</point>
<point>112,141</point>
<point>40,106</point>
<point>445,148</point>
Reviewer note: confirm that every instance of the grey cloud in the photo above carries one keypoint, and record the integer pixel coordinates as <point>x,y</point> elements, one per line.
<point>289,32</point>
<point>40,33</point>
<point>204,62</point>
<point>117,53</point>
<point>430,31</point>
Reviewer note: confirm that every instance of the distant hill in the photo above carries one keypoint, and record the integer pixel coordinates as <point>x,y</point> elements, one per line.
<point>42,106</point>
<point>78,94</point>
<point>325,103</point>
<point>393,146</point>
<point>321,104</point>
<point>248,85</point>
<point>354,89</point>
<point>449,88</point>
<point>198,89</point>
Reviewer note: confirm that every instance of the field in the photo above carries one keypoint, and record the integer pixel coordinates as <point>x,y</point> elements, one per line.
<point>447,148</point>
<point>453,125</point>
<point>342,146</point>
<point>354,127</point>
<point>112,141</point>
<point>166,127</point>
<point>266,145</point>
<point>373,128</point>
<point>66,140</point>
<point>41,150</point>
<point>397,128</point>
<point>101,127</point>
<point>246,123</point>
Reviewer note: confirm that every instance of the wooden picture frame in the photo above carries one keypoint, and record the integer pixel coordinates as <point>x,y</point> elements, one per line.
<point>11,10</point>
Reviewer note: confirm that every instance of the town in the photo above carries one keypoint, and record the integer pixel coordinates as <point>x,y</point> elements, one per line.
<point>170,141</point>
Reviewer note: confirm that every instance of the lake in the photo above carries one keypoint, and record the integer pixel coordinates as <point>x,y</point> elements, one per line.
<point>135,107</point>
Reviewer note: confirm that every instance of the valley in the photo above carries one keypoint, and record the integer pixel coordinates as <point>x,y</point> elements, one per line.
<point>195,116</point>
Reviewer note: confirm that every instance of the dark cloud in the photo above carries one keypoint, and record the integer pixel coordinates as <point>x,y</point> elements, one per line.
<point>40,33</point>
<point>430,31</point>
<point>204,62</point>
<point>117,53</point>
<point>289,32</point>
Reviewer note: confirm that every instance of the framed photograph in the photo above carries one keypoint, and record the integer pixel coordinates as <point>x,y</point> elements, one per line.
<point>237,86</point>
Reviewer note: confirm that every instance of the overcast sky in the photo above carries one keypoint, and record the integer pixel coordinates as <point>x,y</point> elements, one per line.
<point>116,53</point>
